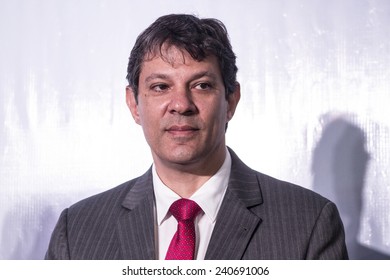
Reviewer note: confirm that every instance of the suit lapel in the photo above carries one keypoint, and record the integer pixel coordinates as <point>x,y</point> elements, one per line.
<point>236,221</point>
<point>136,225</point>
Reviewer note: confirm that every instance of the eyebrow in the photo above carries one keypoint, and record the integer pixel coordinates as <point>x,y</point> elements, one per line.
<point>156,76</point>
<point>199,75</point>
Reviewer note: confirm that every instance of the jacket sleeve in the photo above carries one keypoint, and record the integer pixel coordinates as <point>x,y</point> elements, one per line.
<point>328,238</point>
<point>58,245</point>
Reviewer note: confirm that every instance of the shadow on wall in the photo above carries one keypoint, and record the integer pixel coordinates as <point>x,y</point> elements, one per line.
<point>339,168</point>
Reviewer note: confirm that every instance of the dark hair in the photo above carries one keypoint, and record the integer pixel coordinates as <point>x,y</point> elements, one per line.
<point>199,37</point>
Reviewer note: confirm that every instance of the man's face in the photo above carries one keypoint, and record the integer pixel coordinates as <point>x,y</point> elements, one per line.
<point>182,108</point>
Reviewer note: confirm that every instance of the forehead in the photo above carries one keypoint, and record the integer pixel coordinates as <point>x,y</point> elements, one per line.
<point>168,53</point>
<point>172,57</point>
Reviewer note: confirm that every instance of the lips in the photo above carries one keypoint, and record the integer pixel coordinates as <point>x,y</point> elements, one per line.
<point>182,130</point>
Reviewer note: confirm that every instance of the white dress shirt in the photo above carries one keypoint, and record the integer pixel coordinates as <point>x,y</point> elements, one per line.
<point>209,197</point>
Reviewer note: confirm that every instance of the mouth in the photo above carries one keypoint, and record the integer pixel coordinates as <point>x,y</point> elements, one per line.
<point>182,130</point>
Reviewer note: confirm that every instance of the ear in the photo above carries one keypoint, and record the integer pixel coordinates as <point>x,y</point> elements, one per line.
<point>233,100</point>
<point>132,104</point>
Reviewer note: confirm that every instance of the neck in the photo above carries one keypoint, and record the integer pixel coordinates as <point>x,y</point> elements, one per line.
<point>186,179</point>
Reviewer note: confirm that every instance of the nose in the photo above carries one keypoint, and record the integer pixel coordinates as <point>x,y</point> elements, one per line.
<point>182,103</point>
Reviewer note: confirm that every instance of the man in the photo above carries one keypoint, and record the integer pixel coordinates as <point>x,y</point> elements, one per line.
<point>198,200</point>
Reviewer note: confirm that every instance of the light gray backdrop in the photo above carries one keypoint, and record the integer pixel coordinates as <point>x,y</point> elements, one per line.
<point>315,79</point>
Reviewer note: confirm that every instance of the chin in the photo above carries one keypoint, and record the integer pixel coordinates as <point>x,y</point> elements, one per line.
<point>182,155</point>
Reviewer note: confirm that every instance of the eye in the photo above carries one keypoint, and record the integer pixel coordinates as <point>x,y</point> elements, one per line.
<point>203,86</point>
<point>159,87</point>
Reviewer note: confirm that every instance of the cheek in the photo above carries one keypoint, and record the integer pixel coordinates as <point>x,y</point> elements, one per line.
<point>217,114</point>
<point>145,118</point>
<point>221,111</point>
<point>151,119</point>
<point>148,121</point>
<point>149,111</point>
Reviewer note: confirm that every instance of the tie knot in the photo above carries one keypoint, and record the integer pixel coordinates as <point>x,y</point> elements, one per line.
<point>184,210</point>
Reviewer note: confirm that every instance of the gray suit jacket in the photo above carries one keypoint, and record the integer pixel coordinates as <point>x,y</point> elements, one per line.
<point>260,218</point>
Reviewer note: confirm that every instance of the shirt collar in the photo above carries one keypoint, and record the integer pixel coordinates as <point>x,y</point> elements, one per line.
<point>208,197</point>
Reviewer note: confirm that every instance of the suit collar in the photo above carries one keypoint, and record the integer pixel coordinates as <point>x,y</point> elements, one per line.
<point>237,219</point>
<point>243,182</point>
<point>240,175</point>
<point>136,227</point>
<point>142,188</point>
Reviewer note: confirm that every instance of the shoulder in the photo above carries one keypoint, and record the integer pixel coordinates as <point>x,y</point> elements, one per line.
<point>275,189</point>
<point>299,209</point>
<point>268,188</point>
<point>275,197</point>
<point>109,197</point>
<point>306,224</point>
<point>105,203</point>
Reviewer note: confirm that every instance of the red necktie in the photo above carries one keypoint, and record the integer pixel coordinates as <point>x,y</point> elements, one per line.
<point>182,246</point>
